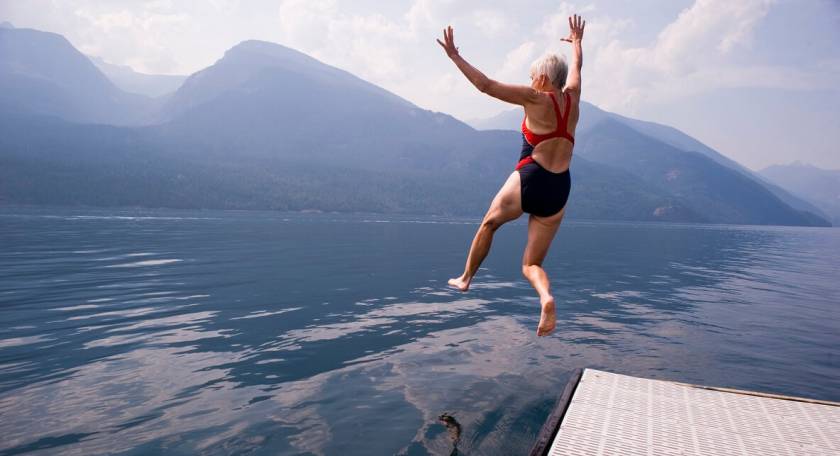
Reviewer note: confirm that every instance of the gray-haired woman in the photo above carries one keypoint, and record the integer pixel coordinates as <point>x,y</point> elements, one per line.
<point>540,184</point>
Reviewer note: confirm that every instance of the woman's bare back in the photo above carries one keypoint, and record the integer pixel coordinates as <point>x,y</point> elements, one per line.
<point>554,154</point>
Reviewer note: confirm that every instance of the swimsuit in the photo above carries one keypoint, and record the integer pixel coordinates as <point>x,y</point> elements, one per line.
<point>544,193</point>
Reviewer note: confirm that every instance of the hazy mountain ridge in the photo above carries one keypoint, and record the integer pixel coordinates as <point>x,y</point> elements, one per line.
<point>269,127</point>
<point>817,185</point>
<point>42,73</point>
<point>150,85</point>
<point>718,193</point>
<point>241,63</point>
<point>139,169</point>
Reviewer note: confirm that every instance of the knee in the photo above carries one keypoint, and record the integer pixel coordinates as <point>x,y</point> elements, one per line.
<point>491,223</point>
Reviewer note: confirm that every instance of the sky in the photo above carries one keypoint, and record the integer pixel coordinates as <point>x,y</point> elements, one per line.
<point>757,80</point>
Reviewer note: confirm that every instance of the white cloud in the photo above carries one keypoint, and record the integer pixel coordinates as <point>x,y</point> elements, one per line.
<point>444,84</point>
<point>700,51</point>
<point>517,62</point>
<point>693,54</point>
<point>708,29</point>
<point>421,15</point>
<point>130,35</point>
<point>490,22</point>
<point>370,46</point>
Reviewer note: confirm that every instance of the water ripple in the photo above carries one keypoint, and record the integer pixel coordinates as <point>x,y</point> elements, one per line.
<point>237,332</point>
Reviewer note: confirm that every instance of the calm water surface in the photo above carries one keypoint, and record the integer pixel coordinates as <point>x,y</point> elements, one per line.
<point>188,332</point>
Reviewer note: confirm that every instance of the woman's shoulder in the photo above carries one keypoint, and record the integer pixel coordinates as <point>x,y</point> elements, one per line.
<point>573,95</point>
<point>547,98</point>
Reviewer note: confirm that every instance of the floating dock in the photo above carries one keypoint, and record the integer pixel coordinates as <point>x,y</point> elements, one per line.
<point>601,413</point>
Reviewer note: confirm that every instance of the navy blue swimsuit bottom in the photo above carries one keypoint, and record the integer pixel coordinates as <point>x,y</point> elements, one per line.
<point>544,193</point>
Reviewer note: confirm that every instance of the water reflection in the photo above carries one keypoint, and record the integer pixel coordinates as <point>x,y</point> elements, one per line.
<point>262,336</point>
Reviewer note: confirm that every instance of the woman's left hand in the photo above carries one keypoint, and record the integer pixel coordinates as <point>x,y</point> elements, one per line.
<point>576,26</point>
<point>449,42</point>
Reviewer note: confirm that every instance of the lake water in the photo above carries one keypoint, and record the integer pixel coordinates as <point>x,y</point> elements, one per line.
<point>191,332</point>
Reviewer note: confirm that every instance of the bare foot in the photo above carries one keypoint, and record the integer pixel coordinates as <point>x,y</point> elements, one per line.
<point>460,283</point>
<point>548,319</point>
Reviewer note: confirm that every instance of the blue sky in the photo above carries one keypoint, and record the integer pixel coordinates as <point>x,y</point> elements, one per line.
<point>758,80</point>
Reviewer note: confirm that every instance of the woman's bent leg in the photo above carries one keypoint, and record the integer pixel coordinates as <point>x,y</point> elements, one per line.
<point>506,206</point>
<point>541,231</point>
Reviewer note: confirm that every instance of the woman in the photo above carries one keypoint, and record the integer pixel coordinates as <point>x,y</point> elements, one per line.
<point>540,183</point>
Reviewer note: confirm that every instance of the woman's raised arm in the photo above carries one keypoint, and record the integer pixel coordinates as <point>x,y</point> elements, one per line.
<point>576,25</point>
<point>515,94</point>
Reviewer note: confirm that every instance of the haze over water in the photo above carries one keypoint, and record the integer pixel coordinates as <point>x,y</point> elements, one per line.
<point>185,332</point>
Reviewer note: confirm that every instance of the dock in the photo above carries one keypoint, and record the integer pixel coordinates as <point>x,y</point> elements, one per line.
<point>602,413</point>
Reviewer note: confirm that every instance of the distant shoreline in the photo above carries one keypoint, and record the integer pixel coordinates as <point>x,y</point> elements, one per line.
<point>5,209</point>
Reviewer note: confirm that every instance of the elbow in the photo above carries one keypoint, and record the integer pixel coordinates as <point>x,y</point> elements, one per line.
<point>484,85</point>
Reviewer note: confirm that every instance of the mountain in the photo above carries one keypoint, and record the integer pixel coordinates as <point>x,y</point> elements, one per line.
<point>264,127</point>
<point>680,140</point>
<point>271,100</point>
<point>244,68</point>
<point>591,116</point>
<point>720,194</point>
<point>817,185</point>
<point>267,127</point>
<point>42,73</point>
<point>150,85</point>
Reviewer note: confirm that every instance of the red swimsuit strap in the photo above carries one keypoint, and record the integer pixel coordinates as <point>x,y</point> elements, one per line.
<point>559,132</point>
<point>566,119</point>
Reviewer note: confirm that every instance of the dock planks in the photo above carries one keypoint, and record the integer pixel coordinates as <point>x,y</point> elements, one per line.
<point>611,414</point>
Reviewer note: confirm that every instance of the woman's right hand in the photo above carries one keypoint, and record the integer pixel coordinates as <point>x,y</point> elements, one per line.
<point>576,25</point>
<point>449,42</point>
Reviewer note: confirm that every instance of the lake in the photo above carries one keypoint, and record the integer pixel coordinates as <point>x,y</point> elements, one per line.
<point>211,332</point>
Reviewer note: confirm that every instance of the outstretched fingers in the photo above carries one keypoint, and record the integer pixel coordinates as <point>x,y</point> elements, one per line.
<point>576,25</point>
<point>448,43</point>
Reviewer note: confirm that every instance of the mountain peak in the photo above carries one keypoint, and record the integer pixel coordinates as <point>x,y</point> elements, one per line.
<point>265,52</point>
<point>254,65</point>
<point>6,25</point>
<point>48,56</point>
<point>258,46</point>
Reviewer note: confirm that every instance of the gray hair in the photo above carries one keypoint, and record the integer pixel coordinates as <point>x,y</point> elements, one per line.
<point>554,67</point>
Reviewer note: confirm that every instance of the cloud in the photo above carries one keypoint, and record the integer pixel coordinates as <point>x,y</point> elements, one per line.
<point>627,66</point>
<point>696,53</point>
<point>703,49</point>
<point>490,22</point>
<point>710,29</point>
<point>368,45</point>
<point>515,60</point>
<point>131,34</point>
<point>699,52</point>
<point>444,84</point>
<point>422,15</point>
